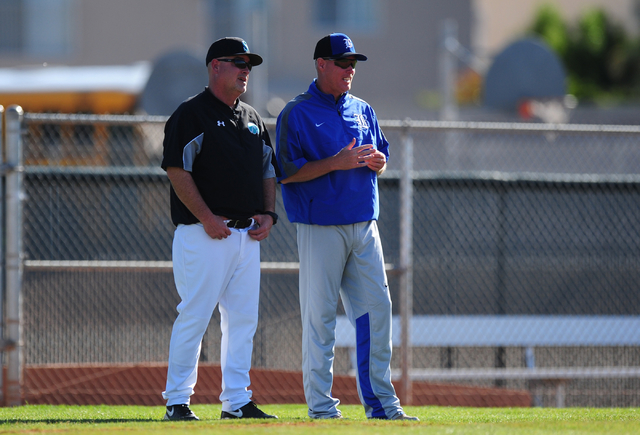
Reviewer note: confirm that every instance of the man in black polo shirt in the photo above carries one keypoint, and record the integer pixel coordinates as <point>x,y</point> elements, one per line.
<point>218,157</point>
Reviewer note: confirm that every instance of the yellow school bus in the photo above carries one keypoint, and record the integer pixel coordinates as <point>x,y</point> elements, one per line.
<point>65,89</point>
<point>98,90</point>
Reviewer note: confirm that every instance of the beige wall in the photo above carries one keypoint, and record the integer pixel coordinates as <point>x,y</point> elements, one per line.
<point>116,32</point>
<point>125,31</point>
<point>403,51</point>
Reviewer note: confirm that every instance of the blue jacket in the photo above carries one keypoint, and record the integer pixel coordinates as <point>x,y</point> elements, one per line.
<point>314,126</point>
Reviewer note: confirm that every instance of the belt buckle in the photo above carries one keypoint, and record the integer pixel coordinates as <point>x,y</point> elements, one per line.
<point>235,223</point>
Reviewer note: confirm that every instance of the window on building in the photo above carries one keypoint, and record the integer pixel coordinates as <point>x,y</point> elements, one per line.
<point>36,28</point>
<point>362,16</point>
<point>10,29</point>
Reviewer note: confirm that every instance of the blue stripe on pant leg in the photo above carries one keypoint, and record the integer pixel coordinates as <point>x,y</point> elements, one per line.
<point>363,346</point>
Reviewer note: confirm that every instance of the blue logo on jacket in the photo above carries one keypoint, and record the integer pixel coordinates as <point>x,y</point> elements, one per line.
<point>253,128</point>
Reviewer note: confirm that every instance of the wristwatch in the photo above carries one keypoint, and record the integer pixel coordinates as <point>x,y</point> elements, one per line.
<point>273,215</point>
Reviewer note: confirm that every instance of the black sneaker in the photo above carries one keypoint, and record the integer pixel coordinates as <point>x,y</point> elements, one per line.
<point>179,412</point>
<point>250,410</point>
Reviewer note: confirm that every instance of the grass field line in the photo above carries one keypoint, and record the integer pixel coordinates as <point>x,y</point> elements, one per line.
<point>293,420</point>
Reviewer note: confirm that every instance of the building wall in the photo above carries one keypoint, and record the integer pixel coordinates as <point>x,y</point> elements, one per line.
<point>400,79</point>
<point>402,46</point>
<point>402,51</point>
<point>124,31</point>
<point>117,32</point>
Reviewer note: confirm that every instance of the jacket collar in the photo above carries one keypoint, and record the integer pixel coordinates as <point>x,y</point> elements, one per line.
<point>315,91</point>
<point>214,100</point>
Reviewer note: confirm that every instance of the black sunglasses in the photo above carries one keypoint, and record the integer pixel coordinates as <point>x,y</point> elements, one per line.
<point>344,63</point>
<point>238,62</point>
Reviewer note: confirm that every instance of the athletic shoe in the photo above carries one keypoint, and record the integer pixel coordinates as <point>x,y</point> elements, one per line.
<point>250,410</point>
<point>330,417</point>
<point>179,412</point>
<point>402,416</point>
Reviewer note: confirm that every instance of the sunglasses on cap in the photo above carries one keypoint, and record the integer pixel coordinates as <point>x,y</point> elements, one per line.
<point>344,63</point>
<point>238,62</point>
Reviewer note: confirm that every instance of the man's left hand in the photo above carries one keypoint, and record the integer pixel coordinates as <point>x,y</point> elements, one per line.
<point>376,160</point>
<point>265,222</point>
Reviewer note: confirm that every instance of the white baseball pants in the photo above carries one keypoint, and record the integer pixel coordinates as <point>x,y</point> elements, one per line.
<point>207,273</point>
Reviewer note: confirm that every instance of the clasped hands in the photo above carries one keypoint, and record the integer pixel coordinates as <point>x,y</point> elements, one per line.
<point>217,228</point>
<point>363,155</point>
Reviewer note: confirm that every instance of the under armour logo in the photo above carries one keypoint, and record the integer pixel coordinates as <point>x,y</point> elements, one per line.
<point>221,124</point>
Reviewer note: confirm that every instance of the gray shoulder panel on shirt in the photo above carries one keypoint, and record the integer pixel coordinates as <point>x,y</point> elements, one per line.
<point>191,150</point>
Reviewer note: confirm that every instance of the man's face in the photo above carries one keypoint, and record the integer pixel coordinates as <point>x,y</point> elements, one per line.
<point>338,75</point>
<point>234,77</point>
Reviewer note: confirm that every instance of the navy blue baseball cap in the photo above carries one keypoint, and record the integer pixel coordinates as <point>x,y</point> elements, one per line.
<point>231,47</point>
<point>336,46</point>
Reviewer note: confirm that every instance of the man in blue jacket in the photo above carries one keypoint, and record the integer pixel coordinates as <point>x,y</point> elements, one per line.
<point>331,150</point>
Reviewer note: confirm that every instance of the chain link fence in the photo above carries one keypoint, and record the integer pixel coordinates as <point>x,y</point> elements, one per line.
<point>510,221</point>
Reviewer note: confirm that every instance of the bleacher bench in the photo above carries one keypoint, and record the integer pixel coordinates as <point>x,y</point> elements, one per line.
<point>526,331</point>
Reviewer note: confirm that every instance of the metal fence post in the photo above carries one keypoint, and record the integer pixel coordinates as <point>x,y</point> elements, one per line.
<point>448,69</point>
<point>2,263</point>
<point>406,262</point>
<point>14,196</point>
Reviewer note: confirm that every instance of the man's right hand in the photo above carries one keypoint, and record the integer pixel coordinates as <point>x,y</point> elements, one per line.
<point>186,189</point>
<point>216,228</point>
<point>350,157</point>
<point>347,158</point>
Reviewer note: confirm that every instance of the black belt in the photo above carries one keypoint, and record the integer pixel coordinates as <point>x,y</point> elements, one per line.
<point>240,223</point>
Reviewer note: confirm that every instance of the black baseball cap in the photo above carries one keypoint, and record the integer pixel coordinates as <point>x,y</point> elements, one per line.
<point>231,46</point>
<point>336,46</point>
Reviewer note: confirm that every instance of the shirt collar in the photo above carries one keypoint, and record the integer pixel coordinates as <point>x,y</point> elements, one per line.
<point>219,103</point>
<point>314,90</point>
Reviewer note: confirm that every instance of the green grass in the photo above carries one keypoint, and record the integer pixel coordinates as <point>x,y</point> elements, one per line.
<point>293,421</point>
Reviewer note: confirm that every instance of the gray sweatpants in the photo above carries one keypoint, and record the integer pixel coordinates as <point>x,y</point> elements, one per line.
<point>346,261</point>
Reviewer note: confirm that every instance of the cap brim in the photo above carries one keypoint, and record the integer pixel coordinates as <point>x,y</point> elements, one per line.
<point>254,59</point>
<point>357,56</point>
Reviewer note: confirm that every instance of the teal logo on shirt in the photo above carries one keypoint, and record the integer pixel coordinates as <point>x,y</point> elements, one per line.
<point>253,128</point>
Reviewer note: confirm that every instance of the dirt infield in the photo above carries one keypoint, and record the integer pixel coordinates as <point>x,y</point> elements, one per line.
<point>142,385</point>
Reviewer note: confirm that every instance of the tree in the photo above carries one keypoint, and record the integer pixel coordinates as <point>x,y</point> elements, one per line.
<point>600,59</point>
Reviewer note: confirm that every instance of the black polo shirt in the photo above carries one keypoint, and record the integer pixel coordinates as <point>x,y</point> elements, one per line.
<point>223,150</point>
